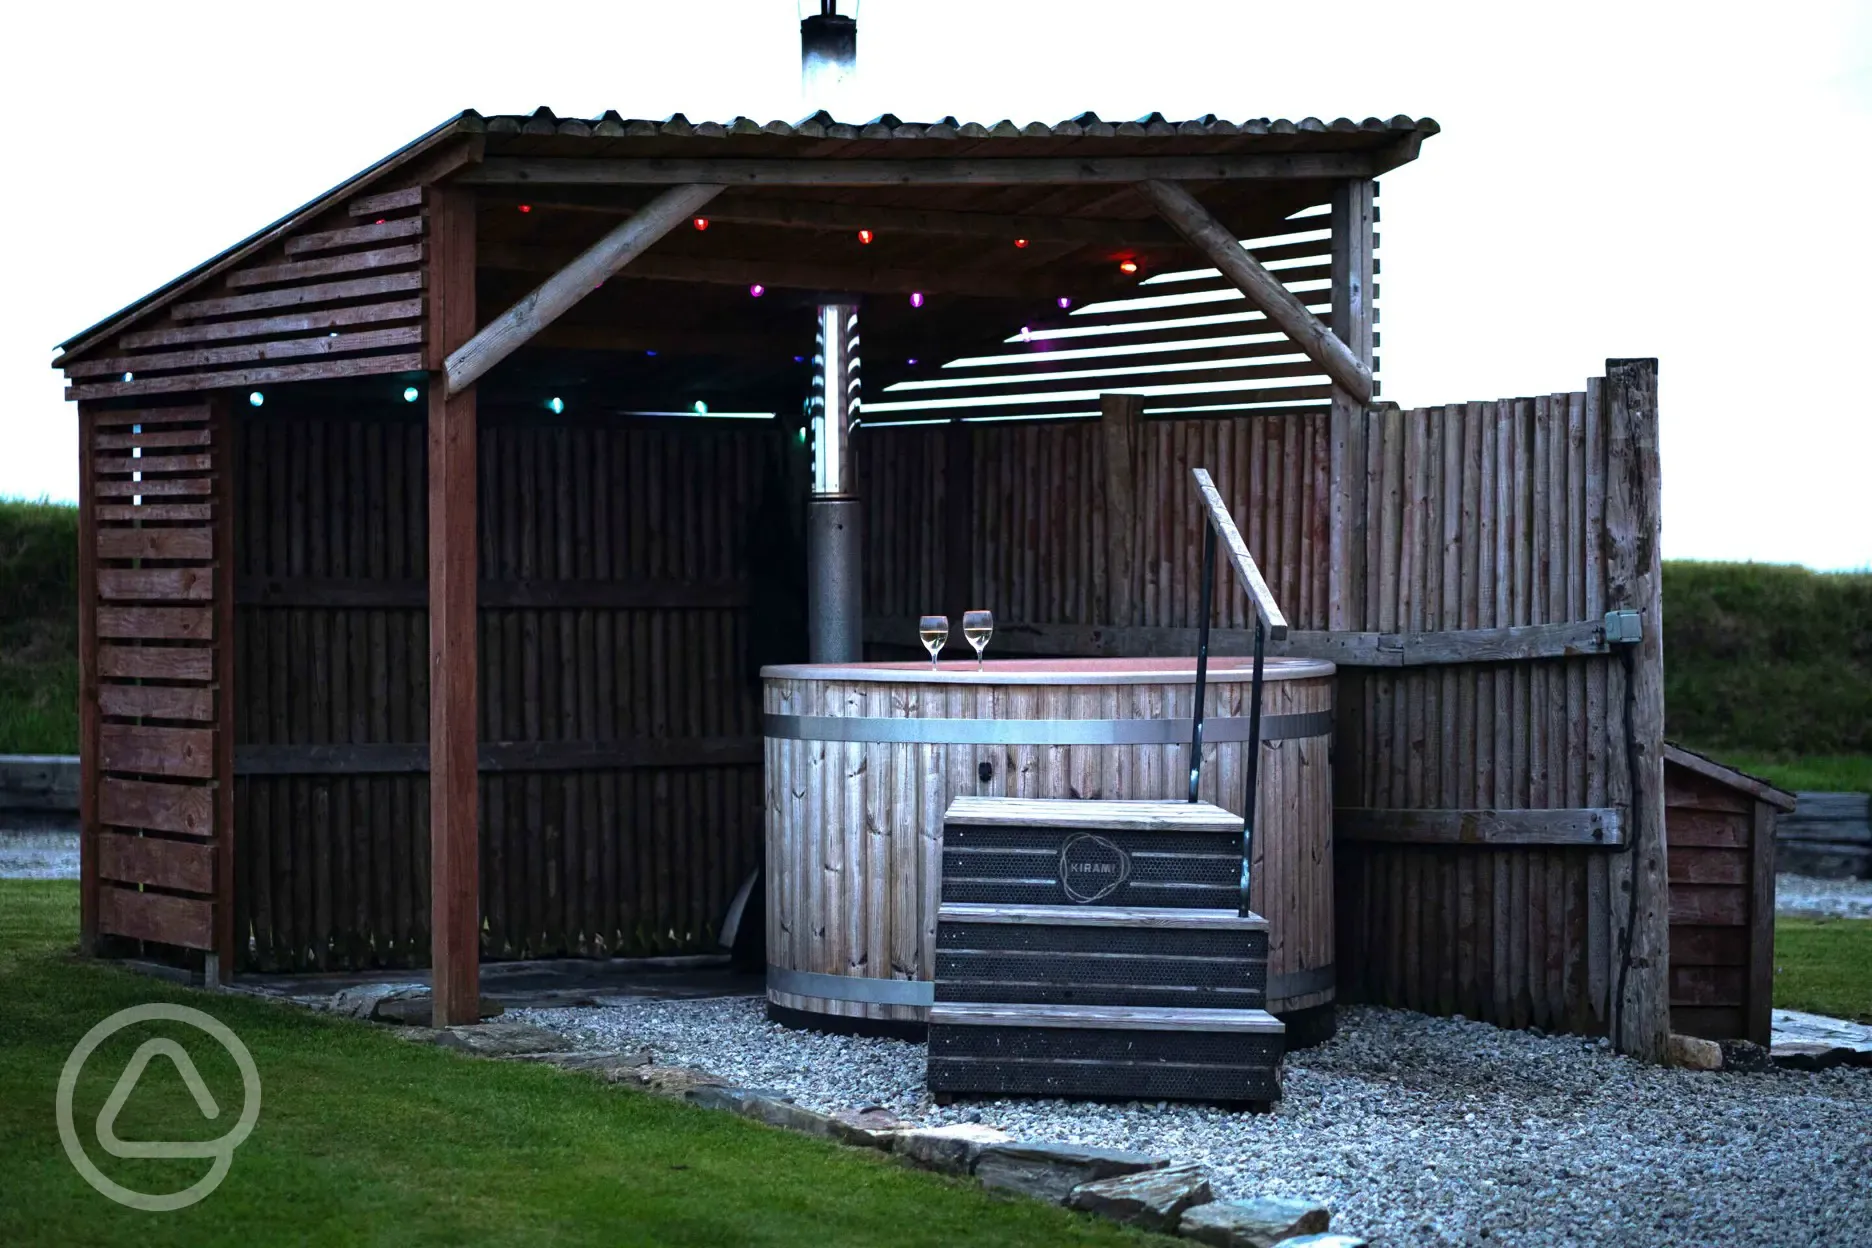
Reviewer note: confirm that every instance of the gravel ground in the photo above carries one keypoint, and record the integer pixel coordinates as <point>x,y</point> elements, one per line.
<point>1415,1130</point>
<point>1811,898</point>
<point>38,854</point>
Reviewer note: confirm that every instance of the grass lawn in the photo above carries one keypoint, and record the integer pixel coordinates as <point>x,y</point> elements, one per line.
<point>1826,773</point>
<point>1824,966</point>
<point>363,1138</point>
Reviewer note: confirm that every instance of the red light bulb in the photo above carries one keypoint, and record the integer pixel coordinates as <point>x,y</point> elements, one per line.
<point>1020,242</point>
<point>865,236</point>
<point>526,207</point>
<point>1127,266</point>
<point>701,223</point>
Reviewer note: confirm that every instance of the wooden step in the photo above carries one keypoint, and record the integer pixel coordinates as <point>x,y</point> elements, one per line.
<point>1029,851</point>
<point>993,1049</point>
<point>1101,956</point>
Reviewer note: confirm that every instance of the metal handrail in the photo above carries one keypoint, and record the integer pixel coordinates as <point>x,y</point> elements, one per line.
<point>1269,621</point>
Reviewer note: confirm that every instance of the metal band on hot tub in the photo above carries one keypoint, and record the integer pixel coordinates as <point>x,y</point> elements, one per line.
<point>895,731</point>
<point>864,988</point>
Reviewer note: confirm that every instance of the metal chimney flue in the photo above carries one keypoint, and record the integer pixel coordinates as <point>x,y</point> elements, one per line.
<point>828,54</point>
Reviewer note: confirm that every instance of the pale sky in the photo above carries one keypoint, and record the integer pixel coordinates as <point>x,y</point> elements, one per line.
<point>1684,181</point>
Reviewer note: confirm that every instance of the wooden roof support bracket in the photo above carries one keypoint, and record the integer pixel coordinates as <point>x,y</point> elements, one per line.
<point>1262,288</point>
<point>513,328</point>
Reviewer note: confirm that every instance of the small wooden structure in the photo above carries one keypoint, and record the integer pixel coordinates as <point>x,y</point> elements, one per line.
<point>416,627</point>
<point>863,761</point>
<point>1721,827</point>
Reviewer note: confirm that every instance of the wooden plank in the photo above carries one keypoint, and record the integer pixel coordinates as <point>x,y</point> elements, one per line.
<point>155,702</point>
<point>276,349</point>
<point>1102,916</point>
<point>1718,905</point>
<point>1759,1001</point>
<point>354,236</point>
<point>158,917</point>
<point>1707,829</point>
<point>1708,946</point>
<point>1261,287</point>
<point>454,787</point>
<point>156,584</point>
<point>925,171</point>
<point>154,511</point>
<point>300,296</point>
<point>179,414</point>
<point>1231,541</point>
<point>358,366</point>
<point>190,543</point>
<point>1120,415</point>
<point>1353,268</point>
<point>1709,1022</point>
<point>386,201</point>
<point>1114,1017</point>
<point>1687,791</point>
<point>155,663</point>
<point>159,437</point>
<point>187,809</point>
<point>1710,769</point>
<point>271,326</point>
<point>1641,1016</point>
<point>1707,985</point>
<point>507,332</point>
<point>89,718</point>
<point>153,623</point>
<point>1584,826</point>
<point>1009,812</point>
<point>327,266</point>
<point>184,865</point>
<point>149,464</point>
<point>1708,866</point>
<point>161,488</point>
<point>185,752</point>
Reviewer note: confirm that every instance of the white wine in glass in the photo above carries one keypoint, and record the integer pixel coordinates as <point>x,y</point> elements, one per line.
<point>977,628</point>
<point>934,632</point>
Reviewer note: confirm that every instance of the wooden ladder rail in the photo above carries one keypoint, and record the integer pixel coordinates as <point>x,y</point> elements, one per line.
<point>1269,621</point>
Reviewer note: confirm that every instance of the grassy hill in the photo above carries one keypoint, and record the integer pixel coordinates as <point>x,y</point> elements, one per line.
<point>1765,665</point>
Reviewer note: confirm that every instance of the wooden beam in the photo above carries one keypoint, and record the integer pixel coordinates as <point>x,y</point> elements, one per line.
<point>454,782</point>
<point>813,214</point>
<point>1641,1000</point>
<point>90,718</point>
<point>777,274</point>
<point>512,328</point>
<point>221,417</point>
<point>1348,649</point>
<point>1760,1008</point>
<point>1589,826</point>
<point>1353,270</point>
<point>1119,418</point>
<point>1262,288</point>
<point>925,171</point>
<point>1231,539</point>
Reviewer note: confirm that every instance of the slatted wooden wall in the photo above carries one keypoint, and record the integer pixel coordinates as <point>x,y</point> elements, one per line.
<point>620,751</point>
<point>1483,515</point>
<point>155,609</point>
<point>1025,508</point>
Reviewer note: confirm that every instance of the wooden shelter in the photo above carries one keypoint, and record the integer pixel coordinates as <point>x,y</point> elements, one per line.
<point>420,606</point>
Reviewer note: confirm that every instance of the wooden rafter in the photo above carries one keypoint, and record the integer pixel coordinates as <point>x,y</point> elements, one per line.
<point>1262,288</point>
<point>509,331</point>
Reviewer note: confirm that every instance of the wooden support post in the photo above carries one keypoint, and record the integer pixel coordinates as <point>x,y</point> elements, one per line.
<point>511,330</point>
<point>1120,415</point>
<point>221,435</point>
<point>1759,1015</point>
<point>1641,993</point>
<point>89,719</point>
<point>1353,211</point>
<point>454,781</point>
<point>1264,290</point>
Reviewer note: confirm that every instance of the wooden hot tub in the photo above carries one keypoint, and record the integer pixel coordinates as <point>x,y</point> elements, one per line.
<point>862,760</point>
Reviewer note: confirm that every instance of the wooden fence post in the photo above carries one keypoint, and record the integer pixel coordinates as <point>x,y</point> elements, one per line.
<point>1353,213</point>
<point>89,720</point>
<point>1641,994</point>
<point>221,432</point>
<point>454,779</point>
<point>1119,416</point>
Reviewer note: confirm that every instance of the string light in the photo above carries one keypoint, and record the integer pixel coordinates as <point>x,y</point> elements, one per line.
<point>1026,334</point>
<point>757,290</point>
<point>911,361</point>
<point>1064,302</point>
<point>802,433</point>
<point>1127,266</point>
<point>649,353</point>
<point>129,376</point>
<point>701,408</point>
<point>555,405</point>
<point>409,394</point>
<point>916,298</point>
<point>700,223</point>
<point>256,398</point>
<point>526,207</point>
<point>799,359</point>
<point>865,236</point>
<point>1020,242</point>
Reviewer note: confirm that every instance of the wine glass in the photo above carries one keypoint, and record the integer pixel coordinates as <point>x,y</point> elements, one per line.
<point>978,627</point>
<point>934,632</point>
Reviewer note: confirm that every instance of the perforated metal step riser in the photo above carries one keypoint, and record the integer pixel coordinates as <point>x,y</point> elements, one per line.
<point>1017,963</point>
<point>1081,866</point>
<point>1052,1061</point>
